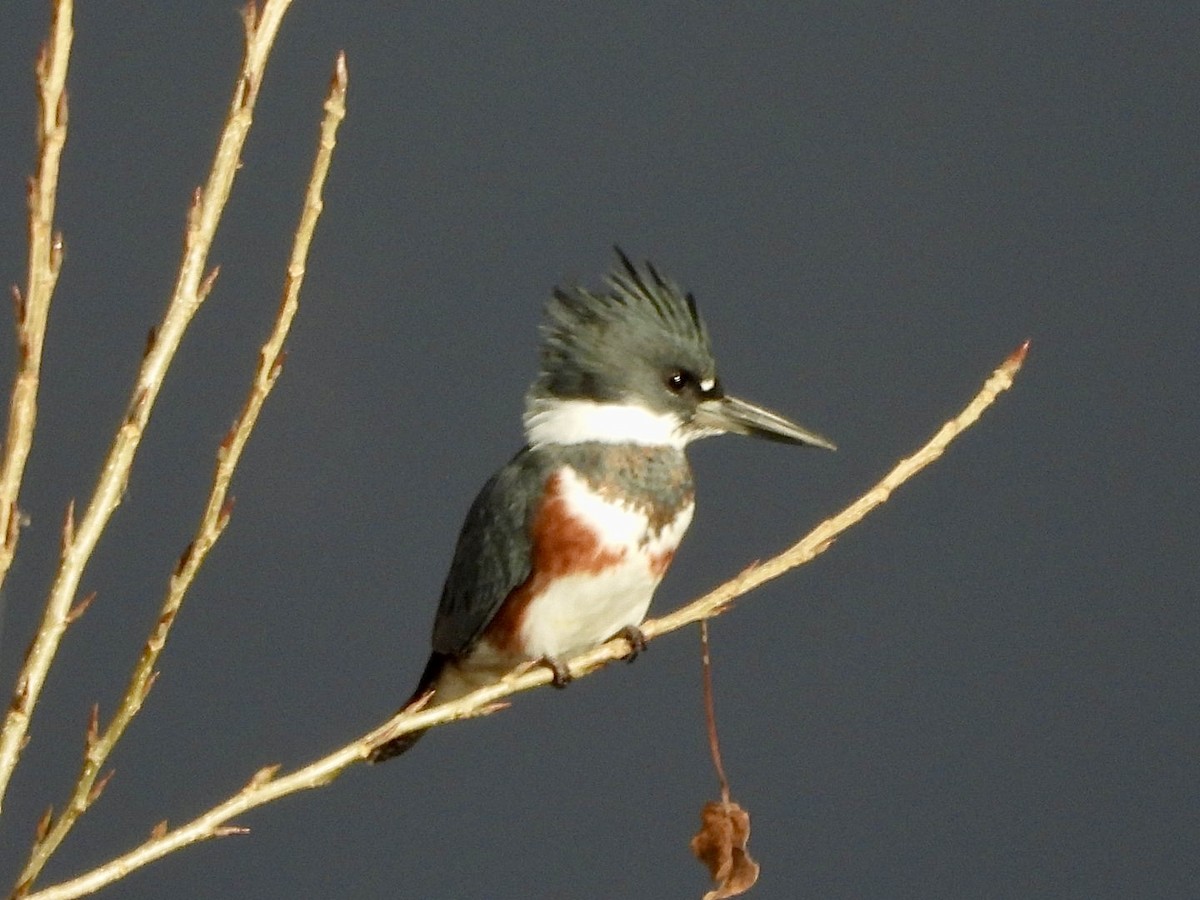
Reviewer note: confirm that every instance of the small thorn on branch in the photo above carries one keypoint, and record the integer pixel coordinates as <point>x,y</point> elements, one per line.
<point>12,525</point>
<point>147,687</point>
<point>93,727</point>
<point>185,557</point>
<point>80,608</point>
<point>138,409</point>
<point>250,18</point>
<point>226,512</point>
<point>99,786</point>
<point>158,830</point>
<point>207,284</point>
<point>18,305</point>
<point>57,249</point>
<point>151,340</point>
<point>262,776</point>
<point>68,529</point>
<point>226,830</point>
<point>193,213</point>
<point>43,825</point>
<point>165,620</point>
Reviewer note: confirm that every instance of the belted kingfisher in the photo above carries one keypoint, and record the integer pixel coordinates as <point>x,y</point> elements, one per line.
<point>564,546</point>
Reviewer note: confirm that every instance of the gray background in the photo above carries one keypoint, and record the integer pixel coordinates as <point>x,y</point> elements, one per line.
<point>988,689</point>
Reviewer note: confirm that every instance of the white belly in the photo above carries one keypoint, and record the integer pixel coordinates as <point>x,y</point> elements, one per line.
<point>577,611</point>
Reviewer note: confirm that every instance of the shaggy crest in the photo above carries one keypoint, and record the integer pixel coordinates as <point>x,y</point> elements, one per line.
<point>641,315</point>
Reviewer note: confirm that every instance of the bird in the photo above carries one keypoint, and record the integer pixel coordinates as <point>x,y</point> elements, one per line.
<point>564,546</point>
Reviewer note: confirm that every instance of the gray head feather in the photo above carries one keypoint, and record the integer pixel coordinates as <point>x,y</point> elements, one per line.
<point>592,343</point>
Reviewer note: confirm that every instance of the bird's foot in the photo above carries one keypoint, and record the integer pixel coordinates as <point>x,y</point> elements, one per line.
<point>562,675</point>
<point>637,641</point>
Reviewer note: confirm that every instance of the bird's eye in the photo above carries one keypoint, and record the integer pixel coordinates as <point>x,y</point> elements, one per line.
<point>679,379</point>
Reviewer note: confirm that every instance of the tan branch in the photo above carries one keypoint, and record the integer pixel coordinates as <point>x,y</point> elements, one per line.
<point>45,261</point>
<point>217,509</point>
<point>191,287</point>
<point>264,787</point>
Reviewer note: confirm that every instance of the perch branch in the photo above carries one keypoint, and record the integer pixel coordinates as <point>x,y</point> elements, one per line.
<point>45,262</point>
<point>217,509</point>
<point>265,787</point>
<point>191,287</point>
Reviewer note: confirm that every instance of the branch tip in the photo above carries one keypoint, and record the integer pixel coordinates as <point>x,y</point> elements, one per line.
<point>1017,358</point>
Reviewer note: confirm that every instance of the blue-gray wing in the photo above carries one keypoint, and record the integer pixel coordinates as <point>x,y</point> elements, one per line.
<point>493,553</point>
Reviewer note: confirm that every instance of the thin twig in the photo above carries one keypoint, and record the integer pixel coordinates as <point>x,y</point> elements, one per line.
<point>710,712</point>
<point>264,787</point>
<point>191,288</point>
<point>45,262</point>
<point>217,509</point>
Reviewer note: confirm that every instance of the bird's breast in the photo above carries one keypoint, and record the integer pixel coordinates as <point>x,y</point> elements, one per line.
<point>598,554</point>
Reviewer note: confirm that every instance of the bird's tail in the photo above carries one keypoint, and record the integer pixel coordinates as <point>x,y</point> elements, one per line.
<point>401,744</point>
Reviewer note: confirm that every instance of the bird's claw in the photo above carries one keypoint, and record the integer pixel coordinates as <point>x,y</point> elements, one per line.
<point>561,676</point>
<point>637,641</point>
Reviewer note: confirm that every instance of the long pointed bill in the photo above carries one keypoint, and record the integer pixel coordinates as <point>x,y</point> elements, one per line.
<point>740,417</point>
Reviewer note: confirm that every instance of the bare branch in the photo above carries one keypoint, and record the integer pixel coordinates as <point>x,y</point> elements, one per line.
<point>45,262</point>
<point>265,787</point>
<point>217,509</point>
<point>202,224</point>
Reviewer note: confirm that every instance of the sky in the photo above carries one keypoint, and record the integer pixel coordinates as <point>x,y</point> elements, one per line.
<point>987,689</point>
